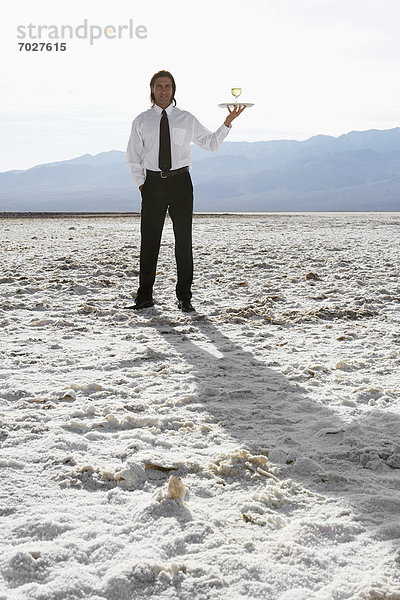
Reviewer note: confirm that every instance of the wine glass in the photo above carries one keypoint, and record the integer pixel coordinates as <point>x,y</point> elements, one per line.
<point>236,93</point>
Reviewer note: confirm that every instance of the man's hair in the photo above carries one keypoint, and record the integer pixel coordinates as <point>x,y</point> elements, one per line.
<point>153,80</point>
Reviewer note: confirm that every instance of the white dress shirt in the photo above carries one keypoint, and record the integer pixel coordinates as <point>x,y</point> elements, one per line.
<point>144,141</point>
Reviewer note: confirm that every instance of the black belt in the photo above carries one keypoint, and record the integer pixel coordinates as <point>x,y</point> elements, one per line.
<point>166,174</point>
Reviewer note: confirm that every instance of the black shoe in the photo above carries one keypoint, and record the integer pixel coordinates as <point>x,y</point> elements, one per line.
<point>139,304</point>
<point>185,306</point>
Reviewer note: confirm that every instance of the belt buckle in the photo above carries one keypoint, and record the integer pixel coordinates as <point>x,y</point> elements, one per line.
<point>163,176</point>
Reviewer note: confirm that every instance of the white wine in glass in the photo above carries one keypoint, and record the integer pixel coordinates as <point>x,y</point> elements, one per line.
<point>236,93</point>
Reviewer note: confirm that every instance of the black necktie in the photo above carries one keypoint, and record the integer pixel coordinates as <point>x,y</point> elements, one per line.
<point>164,156</point>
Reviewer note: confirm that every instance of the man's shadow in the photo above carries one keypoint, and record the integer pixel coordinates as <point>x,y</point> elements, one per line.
<point>252,401</point>
<point>263,411</point>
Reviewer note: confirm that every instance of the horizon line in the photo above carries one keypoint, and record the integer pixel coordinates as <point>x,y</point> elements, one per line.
<point>225,142</point>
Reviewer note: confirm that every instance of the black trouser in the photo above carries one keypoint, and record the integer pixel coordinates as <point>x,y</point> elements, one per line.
<point>175,194</point>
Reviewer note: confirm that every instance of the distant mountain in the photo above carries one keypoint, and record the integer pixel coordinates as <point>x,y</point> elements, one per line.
<point>356,171</point>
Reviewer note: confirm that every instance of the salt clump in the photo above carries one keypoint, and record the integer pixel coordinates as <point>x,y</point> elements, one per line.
<point>131,476</point>
<point>68,395</point>
<point>176,488</point>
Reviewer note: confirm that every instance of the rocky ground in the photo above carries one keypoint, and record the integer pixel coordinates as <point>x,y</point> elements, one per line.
<point>248,450</point>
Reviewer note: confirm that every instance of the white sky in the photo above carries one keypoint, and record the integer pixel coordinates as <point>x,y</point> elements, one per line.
<point>310,66</point>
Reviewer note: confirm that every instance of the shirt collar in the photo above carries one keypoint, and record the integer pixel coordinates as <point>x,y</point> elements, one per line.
<point>159,110</point>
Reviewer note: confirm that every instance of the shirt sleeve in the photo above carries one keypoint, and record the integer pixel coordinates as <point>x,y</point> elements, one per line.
<point>134,154</point>
<point>206,139</point>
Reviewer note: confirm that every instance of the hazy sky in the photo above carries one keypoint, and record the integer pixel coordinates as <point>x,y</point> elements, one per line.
<point>310,66</point>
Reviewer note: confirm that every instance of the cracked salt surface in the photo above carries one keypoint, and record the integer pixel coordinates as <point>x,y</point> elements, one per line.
<point>249,450</point>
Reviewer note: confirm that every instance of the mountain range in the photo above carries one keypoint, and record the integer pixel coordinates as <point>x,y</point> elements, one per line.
<point>357,171</point>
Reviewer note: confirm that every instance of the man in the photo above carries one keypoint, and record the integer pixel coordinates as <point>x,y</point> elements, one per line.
<point>158,155</point>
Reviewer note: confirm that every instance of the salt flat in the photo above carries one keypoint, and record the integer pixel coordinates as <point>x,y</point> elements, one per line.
<point>249,450</point>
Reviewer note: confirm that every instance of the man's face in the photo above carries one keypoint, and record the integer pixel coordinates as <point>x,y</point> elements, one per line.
<point>162,91</point>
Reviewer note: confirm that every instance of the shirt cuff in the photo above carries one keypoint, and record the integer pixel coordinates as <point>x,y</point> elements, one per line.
<point>139,179</point>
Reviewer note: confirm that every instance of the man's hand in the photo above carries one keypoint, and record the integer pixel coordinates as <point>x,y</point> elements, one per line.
<point>235,112</point>
<point>140,187</point>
